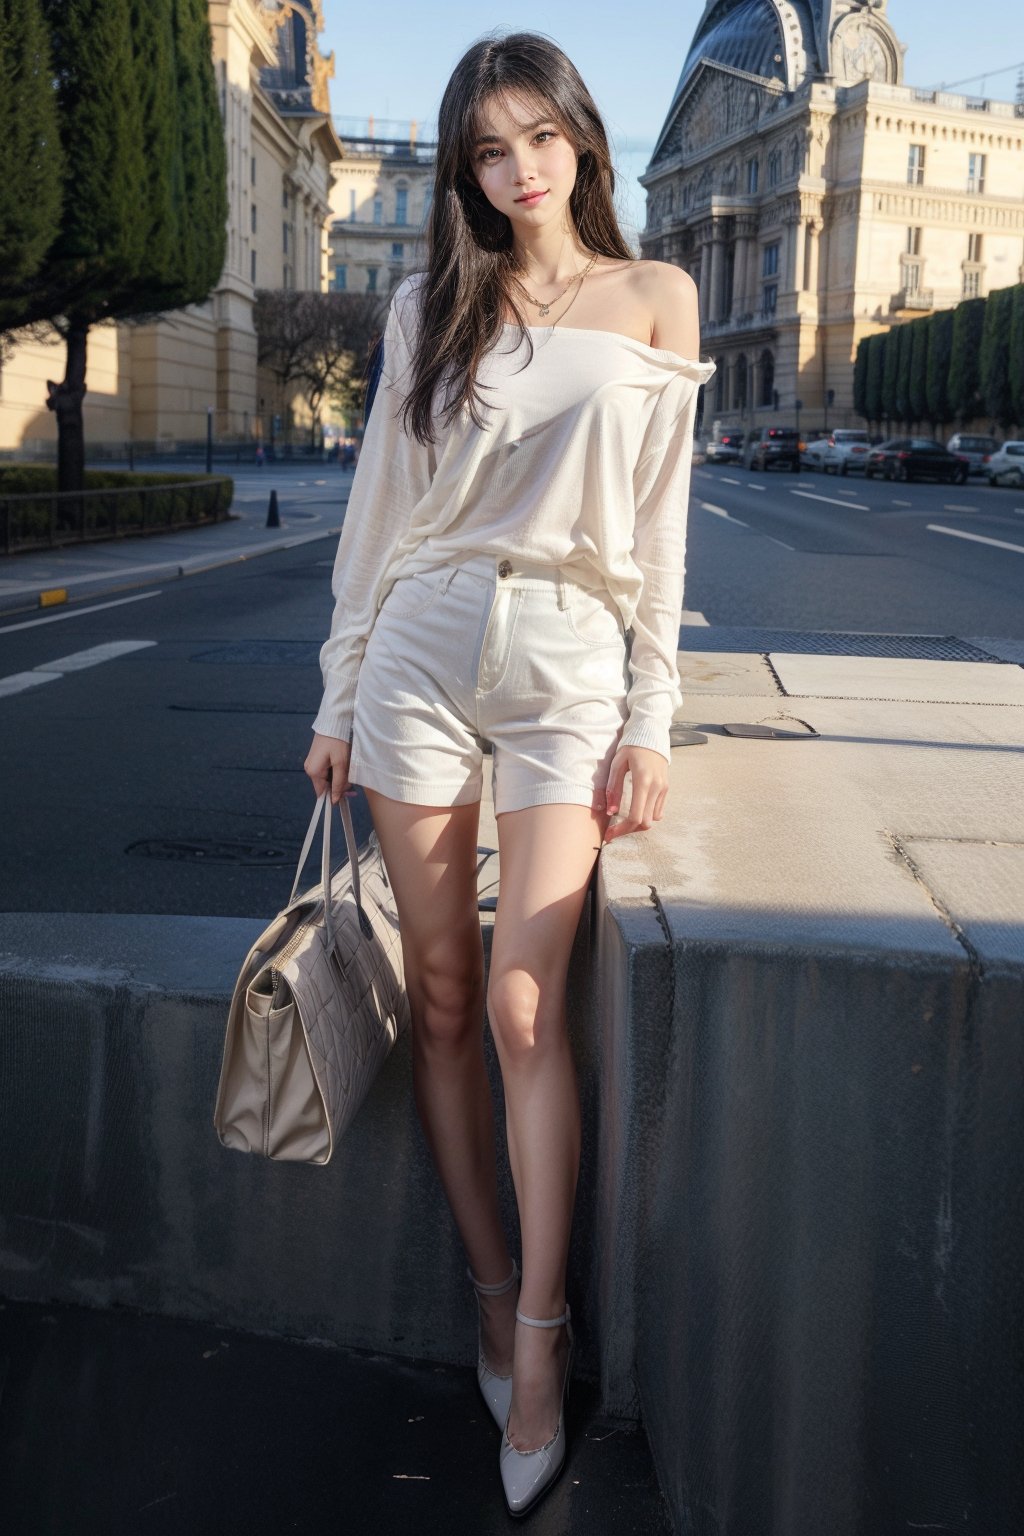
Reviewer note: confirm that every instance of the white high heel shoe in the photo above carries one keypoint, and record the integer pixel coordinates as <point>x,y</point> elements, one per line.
<point>496,1390</point>
<point>526,1475</point>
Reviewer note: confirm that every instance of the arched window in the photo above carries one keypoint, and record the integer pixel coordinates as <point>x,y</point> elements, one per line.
<point>767,368</point>
<point>739,383</point>
<point>719,383</point>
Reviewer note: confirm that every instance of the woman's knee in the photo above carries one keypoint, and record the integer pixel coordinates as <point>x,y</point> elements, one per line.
<point>445,986</point>
<point>524,1015</point>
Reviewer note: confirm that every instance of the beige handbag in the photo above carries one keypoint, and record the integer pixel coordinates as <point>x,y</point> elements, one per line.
<point>317,1007</point>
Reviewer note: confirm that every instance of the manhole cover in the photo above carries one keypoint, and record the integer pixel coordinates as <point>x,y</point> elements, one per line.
<point>827,643</point>
<point>210,851</point>
<point>263,653</point>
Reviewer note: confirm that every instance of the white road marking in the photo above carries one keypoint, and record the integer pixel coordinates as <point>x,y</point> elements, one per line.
<point>752,487</point>
<point>975,538</point>
<point>832,500</point>
<point>50,671</point>
<point>721,512</point>
<point>19,681</point>
<point>903,503</point>
<point>779,542</point>
<point>76,613</point>
<point>693,616</point>
<point>954,507</point>
<point>79,660</point>
<point>726,480</point>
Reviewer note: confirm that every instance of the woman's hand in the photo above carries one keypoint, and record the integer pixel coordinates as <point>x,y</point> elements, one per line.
<point>648,788</point>
<point>327,765</point>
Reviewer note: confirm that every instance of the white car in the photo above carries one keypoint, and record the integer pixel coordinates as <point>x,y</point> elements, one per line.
<point>845,449</point>
<point>1006,465</point>
<point>812,454</point>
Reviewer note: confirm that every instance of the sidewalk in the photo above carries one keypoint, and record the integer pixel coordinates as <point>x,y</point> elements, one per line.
<point>311,500</point>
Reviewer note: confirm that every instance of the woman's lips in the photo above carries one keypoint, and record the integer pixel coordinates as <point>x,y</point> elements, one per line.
<point>534,197</point>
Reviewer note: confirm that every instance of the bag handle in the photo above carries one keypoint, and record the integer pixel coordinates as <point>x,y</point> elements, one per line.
<point>325,860</point>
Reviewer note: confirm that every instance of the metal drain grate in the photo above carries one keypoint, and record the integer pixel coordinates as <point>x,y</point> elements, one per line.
<point>825,643</point>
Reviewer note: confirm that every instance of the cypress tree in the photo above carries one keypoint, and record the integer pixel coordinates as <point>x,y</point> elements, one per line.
<point>137,110</point>
<point>940,346</point>
<point>860,377</point>
<point>968,318</point>
<point>892,362</point>
<point>918,387</point>
<point>904,349</point>
<point>876,367</point>
<point>994,357</point>
<point>31,164</point>
<point>1016,357</point>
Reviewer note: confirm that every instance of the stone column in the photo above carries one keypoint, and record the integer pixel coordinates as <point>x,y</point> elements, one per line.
<point>715,281</point>
<point>704,286</point>
<point>812,237</point>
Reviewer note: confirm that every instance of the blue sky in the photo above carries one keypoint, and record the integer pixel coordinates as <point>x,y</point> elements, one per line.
<point>393,60</point>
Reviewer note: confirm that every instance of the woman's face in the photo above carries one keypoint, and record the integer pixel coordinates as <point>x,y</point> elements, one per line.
<point>523,161</point>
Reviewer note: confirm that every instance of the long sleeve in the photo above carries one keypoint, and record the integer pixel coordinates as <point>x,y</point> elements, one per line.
<point>392,475</point>
<point>661,486</point>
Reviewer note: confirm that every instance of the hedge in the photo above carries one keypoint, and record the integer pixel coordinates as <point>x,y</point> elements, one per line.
<point>142,503</point>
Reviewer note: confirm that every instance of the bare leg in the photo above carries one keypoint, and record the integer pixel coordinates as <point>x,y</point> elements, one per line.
<point>547,854</point>
<point>430,856</point>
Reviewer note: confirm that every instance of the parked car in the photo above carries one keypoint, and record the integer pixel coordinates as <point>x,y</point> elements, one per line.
<point>1006,465</point>
<point>727,449</point>
<point>773,446</point>
<point>846,448</point>
<point>973,448</point>
<point>912,458</point>
<point>812,453</point>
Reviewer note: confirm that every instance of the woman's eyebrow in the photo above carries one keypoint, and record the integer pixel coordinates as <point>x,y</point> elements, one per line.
<point>495,138</point>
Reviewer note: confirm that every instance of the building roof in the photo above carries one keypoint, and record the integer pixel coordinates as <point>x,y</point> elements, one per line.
<point>784,40</point>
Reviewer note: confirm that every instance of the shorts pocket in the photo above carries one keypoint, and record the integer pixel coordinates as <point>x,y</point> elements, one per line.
<point>412,595</point>
<point>595,620</point>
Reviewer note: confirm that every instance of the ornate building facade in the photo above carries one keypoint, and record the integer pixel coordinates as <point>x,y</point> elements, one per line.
<point>380,199</point>
<point>816,198</point>
<point>156,383</point>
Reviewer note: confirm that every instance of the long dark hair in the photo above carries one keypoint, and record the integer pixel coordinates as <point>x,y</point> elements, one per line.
<point>467,288</point>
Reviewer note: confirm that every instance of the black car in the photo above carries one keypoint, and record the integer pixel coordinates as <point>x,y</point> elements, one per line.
<point>777,447</point>
<point>915,458</point>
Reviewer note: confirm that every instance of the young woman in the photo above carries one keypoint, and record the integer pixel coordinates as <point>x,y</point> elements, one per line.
<point>511,570</point>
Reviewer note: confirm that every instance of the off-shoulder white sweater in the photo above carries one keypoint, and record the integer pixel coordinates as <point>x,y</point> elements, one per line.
<point>584,463</point>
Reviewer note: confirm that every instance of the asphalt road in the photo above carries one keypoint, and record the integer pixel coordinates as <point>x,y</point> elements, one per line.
<point>163,773</point>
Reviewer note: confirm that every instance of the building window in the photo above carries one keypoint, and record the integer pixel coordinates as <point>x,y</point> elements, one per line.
<point>252,169</point>
<point>286,281</point>
<point>911,278</point>
<point>351,204</point>
<point>719,383</point>
<point>915,165</point>
<point>252,217</point>
<point>371,279</point>
<point>770,299</point>
<point>976,173</point>
<point>767,377</point>
<point>252,268</point>
<point>428,197</point>
<point>397,250</point>
<point>972,283</point>
<point>378,210</point>
<point>752,167</point>
<point>913,245</point>
<point>774,167</point>
<point>284,236</point>
<point>401,205</point>
<point>340,279</point>
<point>770,260</point>
<point>739,383</point>
<point>973,247</point>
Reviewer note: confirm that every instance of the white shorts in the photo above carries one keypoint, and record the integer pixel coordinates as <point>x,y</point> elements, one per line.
<point>490,649</point>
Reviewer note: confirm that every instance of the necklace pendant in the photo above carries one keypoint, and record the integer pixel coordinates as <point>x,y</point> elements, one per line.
<point>544,308</point>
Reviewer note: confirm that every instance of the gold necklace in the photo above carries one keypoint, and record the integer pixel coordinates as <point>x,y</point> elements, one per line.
<point>544,308</point>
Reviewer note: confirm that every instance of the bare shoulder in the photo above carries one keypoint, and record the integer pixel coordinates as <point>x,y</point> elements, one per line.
<point>670,297</point>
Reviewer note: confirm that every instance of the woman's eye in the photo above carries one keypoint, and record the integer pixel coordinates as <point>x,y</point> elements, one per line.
<point>545,133</point>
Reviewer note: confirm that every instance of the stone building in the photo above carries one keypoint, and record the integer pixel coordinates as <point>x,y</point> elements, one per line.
<point>155,383</point>
<point>380,199</point>
<point>816,198</point>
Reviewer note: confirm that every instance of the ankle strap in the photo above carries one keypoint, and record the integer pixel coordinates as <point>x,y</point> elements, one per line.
<point>544,1322</point>
<point>496,1290</point>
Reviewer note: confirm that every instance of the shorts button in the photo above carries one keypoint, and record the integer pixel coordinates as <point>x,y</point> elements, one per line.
<point>505,568</point>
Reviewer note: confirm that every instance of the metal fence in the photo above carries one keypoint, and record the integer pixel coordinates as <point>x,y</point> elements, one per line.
<point>49,519</point>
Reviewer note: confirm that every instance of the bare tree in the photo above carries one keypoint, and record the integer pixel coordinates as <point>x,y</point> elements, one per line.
<point>317,339</point>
